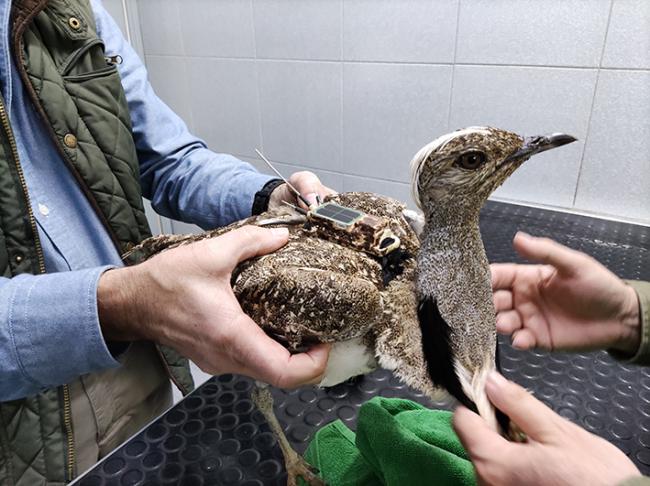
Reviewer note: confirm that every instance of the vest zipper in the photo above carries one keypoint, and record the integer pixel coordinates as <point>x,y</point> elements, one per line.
<point>67,421</point>
<point>4,119</point>
<point>67,411</point>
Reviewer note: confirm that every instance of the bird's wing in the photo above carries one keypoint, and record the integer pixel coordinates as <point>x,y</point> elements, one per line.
<point>303,295</point>
<point>155,244</point>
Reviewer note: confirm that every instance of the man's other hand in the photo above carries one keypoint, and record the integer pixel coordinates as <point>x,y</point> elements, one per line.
<point>568,301</point>
<point>307,183</point>
<point>182,298</point>
<point>557,451</point>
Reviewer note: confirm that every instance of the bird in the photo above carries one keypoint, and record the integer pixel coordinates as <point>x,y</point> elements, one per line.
<point>404,290</point>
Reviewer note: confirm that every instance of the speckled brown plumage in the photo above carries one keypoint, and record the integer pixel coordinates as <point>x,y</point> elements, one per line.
<point>313,290</point>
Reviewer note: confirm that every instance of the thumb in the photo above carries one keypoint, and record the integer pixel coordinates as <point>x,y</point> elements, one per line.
<point>545,250</point>
<point>247,242</point>
<point>476,436</point>
<point>534,418</point>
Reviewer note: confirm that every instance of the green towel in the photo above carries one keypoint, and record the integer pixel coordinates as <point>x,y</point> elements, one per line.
<point>398,442</point>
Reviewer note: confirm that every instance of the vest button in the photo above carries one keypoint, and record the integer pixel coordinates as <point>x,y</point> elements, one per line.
<point>18,258</point>
<point>74,23</point>
<point>70,141</point>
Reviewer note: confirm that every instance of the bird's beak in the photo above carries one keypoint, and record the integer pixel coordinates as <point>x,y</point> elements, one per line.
<point>535,145</point>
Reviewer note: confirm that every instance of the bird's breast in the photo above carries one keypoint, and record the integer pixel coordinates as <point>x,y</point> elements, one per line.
<point>348,359</point>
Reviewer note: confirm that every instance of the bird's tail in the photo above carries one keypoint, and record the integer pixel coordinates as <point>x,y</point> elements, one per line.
<point>473,384</point>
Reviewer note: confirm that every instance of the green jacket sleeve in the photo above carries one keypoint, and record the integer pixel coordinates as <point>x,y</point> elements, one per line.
<point>642,355</point>
<point>636,481</point>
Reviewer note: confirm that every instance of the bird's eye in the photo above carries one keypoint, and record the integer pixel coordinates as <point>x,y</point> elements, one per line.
<point>471,160</point>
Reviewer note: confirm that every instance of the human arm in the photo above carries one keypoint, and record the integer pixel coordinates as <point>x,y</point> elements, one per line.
<point>556,452</point>
<point>568,301</point>
<point>49,331</point>
<point>183,178</point>
<point>182,298</point>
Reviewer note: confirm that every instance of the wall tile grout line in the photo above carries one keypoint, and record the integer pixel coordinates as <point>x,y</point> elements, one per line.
<point>406,63</point>
<point>327,171</point>
<point>453,69</point>
<point>342,86</point>
<point>259,78</point>
<point>593,103</point>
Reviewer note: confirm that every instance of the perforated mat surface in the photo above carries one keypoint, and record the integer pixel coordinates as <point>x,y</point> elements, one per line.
<point>215,435</point>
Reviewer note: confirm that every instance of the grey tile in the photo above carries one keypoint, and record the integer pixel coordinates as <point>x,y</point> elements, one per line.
<point>161,26</point>
<point>530,101</point>
<point>180,228</point>
<point>169,77</point>
<point>301,112</point>
<point>615,177</point>
<point>396,190</point>
<point>628,36</point>
<point>114,8</point>
<point>218,29</point>
<point>224,101</point>
<point>198,374</point>
<point>404,31</point>
<point>552,32</point>
<point>152,218</point>
<point>333,180</point>
<point>308,29</point>
<point>389,113</point>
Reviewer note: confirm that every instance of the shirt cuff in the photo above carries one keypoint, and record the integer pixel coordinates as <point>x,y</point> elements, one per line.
<point>642,355</point>
<point>55,327</point>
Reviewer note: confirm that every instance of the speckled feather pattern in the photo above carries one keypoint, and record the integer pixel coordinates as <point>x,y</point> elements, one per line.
<point>313,290</point>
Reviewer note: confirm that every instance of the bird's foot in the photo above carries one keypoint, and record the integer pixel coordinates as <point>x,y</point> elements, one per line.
<point>298,467</point>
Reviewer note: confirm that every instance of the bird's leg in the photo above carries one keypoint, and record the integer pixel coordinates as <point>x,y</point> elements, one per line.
<point>295,465</point>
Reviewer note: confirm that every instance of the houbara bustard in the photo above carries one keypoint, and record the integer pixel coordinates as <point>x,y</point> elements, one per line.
<point>386,286</point>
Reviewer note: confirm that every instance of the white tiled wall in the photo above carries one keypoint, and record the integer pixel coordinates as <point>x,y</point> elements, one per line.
<point>352,88</point>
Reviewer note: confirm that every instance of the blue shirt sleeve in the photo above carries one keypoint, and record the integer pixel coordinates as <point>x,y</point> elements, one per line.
<point>50,331</point>
<point>182,178</point>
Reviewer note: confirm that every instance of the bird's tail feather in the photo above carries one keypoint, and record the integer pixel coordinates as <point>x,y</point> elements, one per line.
<point>473,384</point>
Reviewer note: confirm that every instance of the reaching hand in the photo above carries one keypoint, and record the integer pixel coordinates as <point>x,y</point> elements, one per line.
<point>307,183</point>
<point>182,298</point>
<point>557,452</point>
<point>568,302</point>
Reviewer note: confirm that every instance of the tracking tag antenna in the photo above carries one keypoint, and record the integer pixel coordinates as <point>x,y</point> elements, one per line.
<point>289,185</point>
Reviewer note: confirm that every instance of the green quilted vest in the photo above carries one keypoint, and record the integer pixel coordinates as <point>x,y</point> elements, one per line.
<point>80,97</point>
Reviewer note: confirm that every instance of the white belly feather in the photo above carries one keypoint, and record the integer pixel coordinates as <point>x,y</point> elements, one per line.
<point>348,359</point>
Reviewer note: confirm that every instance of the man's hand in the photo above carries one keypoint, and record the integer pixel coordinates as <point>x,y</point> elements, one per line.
<point>569,302</point>
<point>307,183</point>
<point>182,298</point>
<point>557,451</point>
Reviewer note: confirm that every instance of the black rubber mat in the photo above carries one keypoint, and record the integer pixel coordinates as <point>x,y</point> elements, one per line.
<point>215,435</point>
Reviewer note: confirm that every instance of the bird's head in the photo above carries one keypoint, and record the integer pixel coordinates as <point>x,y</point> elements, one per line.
<point>457,172</point>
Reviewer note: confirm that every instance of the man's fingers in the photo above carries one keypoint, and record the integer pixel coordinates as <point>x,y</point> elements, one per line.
<point>523,339</point>
<point>534,418</point>
<point>544,250</point>
<point>310,186</point>
<point>477,438</point>
<point>247,242</point>
<point>503,275</point>
<point>502,300</point>
<point>508,322</point>
<point>267,360</point>
<point>305,368</point>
